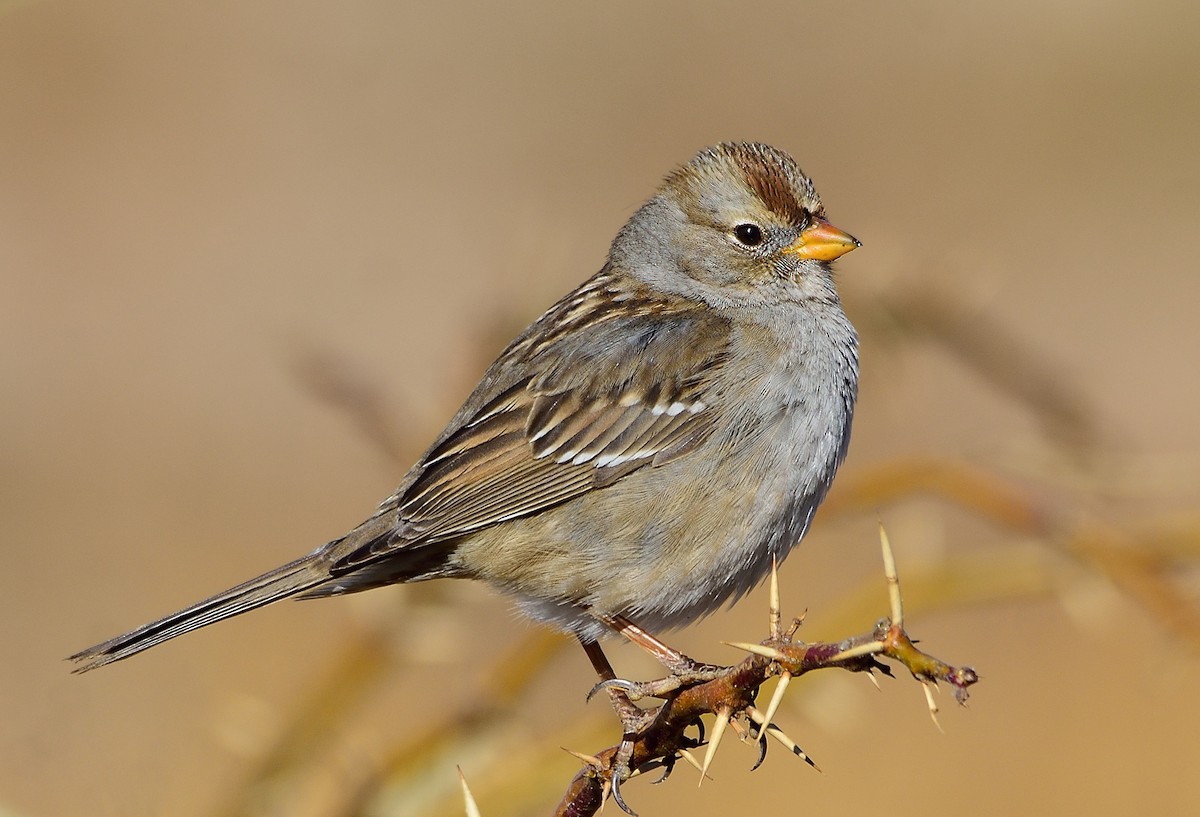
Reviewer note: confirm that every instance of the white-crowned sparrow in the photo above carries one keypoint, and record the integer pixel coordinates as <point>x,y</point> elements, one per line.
<point>645,448</point>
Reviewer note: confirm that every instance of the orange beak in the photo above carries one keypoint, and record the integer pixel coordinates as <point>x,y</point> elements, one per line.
<point>823,242</point>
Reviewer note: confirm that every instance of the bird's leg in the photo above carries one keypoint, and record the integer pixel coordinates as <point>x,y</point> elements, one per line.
<point>635,721</point>
<point>633,718</point>
<point>684,671</point>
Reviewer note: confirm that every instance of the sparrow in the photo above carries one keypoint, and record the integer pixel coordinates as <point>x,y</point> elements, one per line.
<point>645,450</point>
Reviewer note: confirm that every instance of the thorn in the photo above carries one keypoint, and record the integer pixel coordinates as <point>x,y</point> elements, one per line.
<point>870,648</point>
<point>468,800</point>
<point>605,790</point>
<point>757,649</point>
<point>871,677</point>
<point>773,706</point>
<point>779,735</point>
<point>930,686</point>
<point>717,733</point>
<point>776,614</point>
<point>590,760</point>
<point>687,755</point>
<point>893,578</point>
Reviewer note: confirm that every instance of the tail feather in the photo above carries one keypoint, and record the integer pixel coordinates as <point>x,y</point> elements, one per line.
<point>288,580</point>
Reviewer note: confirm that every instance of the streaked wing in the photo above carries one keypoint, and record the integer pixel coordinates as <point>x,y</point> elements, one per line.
<point>587,407</point>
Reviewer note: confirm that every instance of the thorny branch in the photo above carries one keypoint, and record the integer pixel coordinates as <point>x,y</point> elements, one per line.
<point>731,696</point>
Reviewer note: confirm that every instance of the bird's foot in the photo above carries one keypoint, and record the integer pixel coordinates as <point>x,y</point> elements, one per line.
<point>684,674</point>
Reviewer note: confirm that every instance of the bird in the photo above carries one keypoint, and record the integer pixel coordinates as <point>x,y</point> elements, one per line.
<point>641,454</point>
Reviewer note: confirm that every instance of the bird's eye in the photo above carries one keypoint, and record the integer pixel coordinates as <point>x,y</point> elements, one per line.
<point>749,234</point>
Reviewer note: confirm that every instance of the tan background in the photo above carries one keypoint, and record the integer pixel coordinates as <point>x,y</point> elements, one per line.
<point>195,199</point>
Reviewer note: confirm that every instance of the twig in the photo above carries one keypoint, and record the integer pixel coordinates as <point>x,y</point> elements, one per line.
<point>731,695</point>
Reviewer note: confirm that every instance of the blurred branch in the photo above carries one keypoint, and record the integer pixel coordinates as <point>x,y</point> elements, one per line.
<point>962,581</point>
<point>310,737</point>
<point>1139,564</point>
<point>984,494</point>
<point>1142,573</point>
<point>449,735</point>
<point>985,345</point>
<point>339,382</point>
<point>313,724</point>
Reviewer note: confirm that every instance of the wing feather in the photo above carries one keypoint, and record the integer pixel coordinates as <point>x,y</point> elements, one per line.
<point>565,412</point>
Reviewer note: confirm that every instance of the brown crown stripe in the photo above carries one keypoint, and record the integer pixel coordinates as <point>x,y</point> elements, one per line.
<point>771,183</point>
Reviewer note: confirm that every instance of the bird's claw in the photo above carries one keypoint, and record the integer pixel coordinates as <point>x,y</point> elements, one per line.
<point>619,772</point>
<point>628,687</point>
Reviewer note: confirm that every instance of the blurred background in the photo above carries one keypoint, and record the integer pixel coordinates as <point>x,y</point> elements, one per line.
<point>254,253</point>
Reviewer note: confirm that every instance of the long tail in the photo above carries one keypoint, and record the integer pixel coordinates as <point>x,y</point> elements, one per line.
<point>281,582</point>
<point>294,578</point>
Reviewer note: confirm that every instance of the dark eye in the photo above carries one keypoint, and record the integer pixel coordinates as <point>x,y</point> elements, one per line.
<point>749,234</point>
